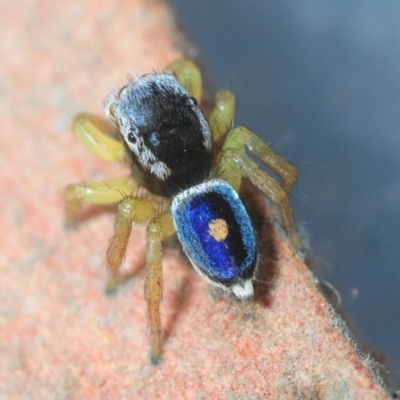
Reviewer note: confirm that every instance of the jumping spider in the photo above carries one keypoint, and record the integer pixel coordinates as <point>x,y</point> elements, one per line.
<point>184,162</point>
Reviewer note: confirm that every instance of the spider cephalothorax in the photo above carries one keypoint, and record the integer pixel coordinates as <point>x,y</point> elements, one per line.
<point>192,168</point>
<point>165,133</point>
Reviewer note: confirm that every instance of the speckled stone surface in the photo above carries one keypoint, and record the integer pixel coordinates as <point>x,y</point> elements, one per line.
<point>60,337</point>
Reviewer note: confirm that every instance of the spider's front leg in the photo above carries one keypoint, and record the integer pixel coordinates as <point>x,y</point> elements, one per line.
<point>97,135</point>
<point>159,229</point>
<point>189,76</point>
<point>222,116</point>
<point>234,163</point>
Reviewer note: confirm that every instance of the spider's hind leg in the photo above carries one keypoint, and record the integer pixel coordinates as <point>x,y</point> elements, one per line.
<point>234,163</point>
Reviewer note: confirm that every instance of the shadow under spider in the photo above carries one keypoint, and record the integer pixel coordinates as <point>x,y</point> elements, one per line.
<point>262,218</point>
<point>90,211</point>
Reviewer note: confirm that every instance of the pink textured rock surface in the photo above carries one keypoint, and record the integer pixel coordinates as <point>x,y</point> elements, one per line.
<point>60,337</point>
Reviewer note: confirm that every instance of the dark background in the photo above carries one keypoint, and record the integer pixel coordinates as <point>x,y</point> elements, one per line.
<point>320,82</point>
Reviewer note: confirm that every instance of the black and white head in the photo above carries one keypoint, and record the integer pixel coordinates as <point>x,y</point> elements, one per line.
<point>165,133</point>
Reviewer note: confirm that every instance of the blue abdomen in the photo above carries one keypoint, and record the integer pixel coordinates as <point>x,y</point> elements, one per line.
<point>215,231</point>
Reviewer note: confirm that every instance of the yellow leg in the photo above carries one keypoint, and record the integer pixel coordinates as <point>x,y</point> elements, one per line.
<point>108,192</point>
<point>234,162</point>
<point>159,229</point>
<point>189,76</point>
<point>130,210</point>
<point>240,137</point>
<point>222,115</point>
<point>96,135</point>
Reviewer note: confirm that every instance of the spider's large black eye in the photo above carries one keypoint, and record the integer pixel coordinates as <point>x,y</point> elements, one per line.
<point>121,90</point>
<point>194,101</point>
<point>131,137</point>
